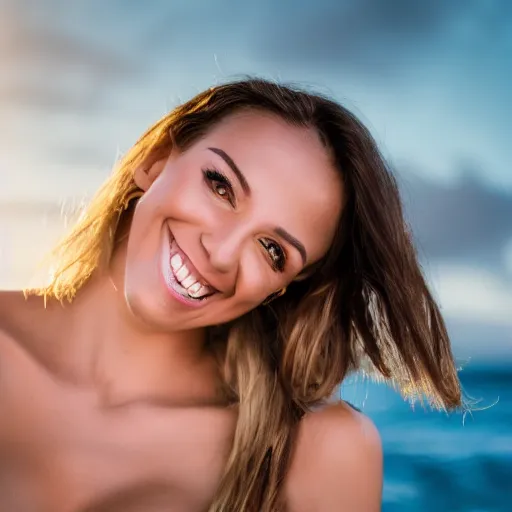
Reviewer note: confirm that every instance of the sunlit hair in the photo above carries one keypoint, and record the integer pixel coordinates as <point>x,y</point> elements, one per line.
<point>367,300</point>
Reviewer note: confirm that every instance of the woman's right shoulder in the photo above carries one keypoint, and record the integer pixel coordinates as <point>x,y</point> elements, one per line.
<point>31,331</point>
<point>15,310</point>
<point>18,328</point>
<point>23,332</point>
<point>20,320</point>
<point>12,308</point>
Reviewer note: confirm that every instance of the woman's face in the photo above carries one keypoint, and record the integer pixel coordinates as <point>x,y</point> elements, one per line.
<point>229,221</point>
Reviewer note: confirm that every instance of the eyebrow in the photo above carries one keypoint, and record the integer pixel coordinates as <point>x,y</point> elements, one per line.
<point>238,173</point>
<point>292,241</point>
<point>279,231</point>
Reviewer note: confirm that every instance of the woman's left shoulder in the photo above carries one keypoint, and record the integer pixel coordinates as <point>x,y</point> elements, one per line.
<point>336,462</point>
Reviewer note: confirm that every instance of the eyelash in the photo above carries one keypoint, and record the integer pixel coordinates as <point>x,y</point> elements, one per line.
<point>213,178</point>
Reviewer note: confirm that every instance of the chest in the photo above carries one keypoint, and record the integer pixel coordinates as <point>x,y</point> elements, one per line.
<point>61,451</point>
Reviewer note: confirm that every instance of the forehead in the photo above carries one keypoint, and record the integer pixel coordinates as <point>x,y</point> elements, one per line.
<point>293,181</point>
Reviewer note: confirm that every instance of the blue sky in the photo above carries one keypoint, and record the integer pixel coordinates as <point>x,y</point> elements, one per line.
<point>81,80</point>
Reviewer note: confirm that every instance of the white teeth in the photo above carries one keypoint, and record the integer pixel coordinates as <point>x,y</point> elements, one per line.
<point>182,273</point>
<point>194,289</point>
<point>197,292</point>
<point>188,281</point>
<point>176,262</point>
<point>188,284</point>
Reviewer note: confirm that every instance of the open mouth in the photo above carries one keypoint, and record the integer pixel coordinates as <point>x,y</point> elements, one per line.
<point>183,278</point>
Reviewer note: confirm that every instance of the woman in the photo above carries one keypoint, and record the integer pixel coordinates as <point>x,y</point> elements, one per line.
<point>246,254</point>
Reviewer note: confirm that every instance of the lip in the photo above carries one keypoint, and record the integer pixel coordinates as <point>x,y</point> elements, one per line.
<point>170,280</point>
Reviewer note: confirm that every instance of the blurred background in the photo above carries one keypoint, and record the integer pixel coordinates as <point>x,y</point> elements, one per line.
<point>81,80</point>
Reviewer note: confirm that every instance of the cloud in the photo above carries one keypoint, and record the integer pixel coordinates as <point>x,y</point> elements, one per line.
<point>30,209</point>
<point>371,36</point>
<point>28,40</point>
<point>348,31</point>
<point>479,339</point>
<point>473,293</point>
<point>50,67</point>
<point>50,96</point>
<point>466,220</point>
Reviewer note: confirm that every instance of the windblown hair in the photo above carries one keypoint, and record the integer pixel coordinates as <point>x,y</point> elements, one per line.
<point>366,300</point>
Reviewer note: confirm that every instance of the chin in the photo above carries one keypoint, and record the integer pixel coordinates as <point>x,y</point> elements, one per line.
<point>147,307</point>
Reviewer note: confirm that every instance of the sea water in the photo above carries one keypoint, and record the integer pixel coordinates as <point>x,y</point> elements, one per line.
<point>435,461</point>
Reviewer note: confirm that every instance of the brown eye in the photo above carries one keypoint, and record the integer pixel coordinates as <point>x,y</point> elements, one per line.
<point>220,185</point>
<point>275,252</point>
<point>220,189</point>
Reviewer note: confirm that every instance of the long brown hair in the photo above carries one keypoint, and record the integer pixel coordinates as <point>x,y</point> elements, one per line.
<point>367,299</point>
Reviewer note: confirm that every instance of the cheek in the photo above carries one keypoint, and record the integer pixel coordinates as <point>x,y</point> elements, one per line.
<point>254,281</point>
<point>181,192</point>
<point>249,295</point>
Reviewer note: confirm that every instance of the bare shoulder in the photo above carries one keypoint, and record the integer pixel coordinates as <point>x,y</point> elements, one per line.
<point>22,324</point>
<point>14,314</point>
<point>12,310</point>
<point>18,313</point>
<point>336,463</point>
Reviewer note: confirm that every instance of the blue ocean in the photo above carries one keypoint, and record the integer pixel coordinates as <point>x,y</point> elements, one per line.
<point>434,461</point>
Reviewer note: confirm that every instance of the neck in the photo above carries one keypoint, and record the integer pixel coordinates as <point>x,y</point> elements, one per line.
<point>128,360</point>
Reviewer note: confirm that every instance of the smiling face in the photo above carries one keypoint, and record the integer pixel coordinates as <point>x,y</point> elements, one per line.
<point>229,221</point>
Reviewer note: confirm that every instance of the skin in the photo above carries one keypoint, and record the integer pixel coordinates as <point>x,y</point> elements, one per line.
<point>112,402</point>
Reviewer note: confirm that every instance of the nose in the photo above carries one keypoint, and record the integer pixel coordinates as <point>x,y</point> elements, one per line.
<point>223,248</point>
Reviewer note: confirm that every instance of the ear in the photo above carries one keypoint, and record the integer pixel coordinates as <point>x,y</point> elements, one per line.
<point>145,175</point>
